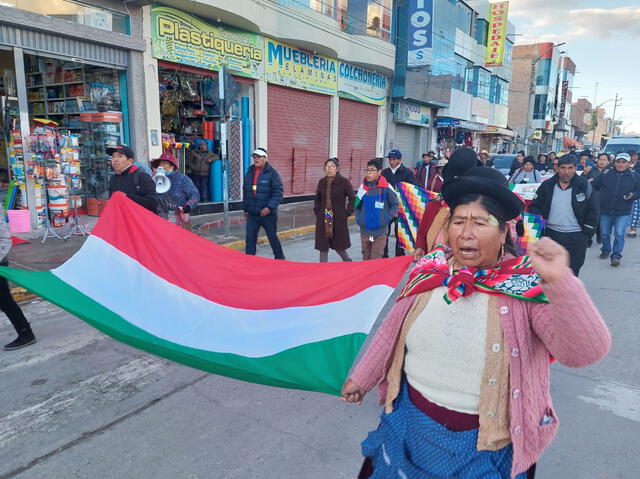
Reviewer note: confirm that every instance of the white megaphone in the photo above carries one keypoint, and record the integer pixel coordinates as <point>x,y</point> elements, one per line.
<point>163,183</point>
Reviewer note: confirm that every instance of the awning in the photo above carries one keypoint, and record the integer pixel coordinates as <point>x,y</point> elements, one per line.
<point>496,130</point>
<point>566,142</point>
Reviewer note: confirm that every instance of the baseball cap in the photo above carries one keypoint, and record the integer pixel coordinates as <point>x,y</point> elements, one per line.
<point>394,154</point>
<point>623,156</point>
<point>260,152</point>
<point>124,149</point>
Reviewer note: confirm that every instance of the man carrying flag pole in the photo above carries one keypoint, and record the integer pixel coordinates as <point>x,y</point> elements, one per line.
<point>376,205</point>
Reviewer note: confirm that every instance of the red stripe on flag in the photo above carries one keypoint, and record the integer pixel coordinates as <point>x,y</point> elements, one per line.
<point>230,277</point>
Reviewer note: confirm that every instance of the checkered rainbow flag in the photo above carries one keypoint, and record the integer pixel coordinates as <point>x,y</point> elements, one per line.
<point>533,226</point>
<point>413,201</point>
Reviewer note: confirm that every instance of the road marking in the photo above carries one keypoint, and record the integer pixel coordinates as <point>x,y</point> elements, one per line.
<point>620,399</point>
<point>93,393</point>
<point>61,346</point>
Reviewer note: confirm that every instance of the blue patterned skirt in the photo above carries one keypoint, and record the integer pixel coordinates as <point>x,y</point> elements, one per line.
<point>408,444</point>
<point>634,222</point>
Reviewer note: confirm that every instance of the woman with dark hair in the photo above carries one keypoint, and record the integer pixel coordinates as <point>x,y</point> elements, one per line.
<point>333,204</point>
<point>543,165</point>
<point>462,359</point>
<point>526,174</point>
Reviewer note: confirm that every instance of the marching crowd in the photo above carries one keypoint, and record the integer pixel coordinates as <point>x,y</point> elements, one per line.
<point>462,360</point>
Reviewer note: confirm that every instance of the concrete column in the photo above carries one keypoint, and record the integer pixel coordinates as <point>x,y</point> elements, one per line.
<point>333,126</point>
<point>261,114</point>
<point>151,90</point>
<point>381,133</point>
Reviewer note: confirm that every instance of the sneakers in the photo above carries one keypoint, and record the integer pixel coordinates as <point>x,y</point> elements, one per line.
<point>24,339</point>
<point>615,261</point>
<point>631,235</point>
<point>603,255</point>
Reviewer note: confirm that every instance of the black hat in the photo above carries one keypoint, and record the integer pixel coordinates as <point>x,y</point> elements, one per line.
<point>461,160</point>
<point>486,182</point>
<point>124,149</point>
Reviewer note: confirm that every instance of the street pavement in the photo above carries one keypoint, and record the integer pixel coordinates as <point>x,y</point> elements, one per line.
<point>81,405</point>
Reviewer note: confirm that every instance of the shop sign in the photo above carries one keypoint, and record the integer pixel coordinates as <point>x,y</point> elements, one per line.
<point>419,33</point>
<point>563,98</point>
<point>454,122</point>
<point>497,33</point>
<point>296,68</point>
<point>363,85</point>
<point>182,38</point>
<point>411,113</point>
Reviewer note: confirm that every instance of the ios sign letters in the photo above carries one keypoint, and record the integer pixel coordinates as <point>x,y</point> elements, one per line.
<point>420,33</point>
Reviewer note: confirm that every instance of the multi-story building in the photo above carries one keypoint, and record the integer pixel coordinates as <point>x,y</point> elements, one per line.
<point>532,95</point>
<point>562,137</point>
<point>308,80</point>
<point>580,111</point>
<point>448,81</point>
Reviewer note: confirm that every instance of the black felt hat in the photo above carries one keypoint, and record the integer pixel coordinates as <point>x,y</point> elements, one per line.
<point>486,182</point>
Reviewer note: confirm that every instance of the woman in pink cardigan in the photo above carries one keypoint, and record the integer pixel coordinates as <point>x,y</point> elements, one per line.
<point>462,360</point>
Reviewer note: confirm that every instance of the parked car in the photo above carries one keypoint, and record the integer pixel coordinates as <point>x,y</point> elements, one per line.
<point>502,163</point>
<point>622,144</point>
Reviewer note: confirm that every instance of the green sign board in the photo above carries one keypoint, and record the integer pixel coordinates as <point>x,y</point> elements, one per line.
<point>182,38</point>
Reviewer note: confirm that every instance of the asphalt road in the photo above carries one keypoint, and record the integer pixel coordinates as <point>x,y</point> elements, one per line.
<point>80,405</point>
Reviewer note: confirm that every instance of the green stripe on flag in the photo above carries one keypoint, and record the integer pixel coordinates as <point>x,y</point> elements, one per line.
<point>320,366</point>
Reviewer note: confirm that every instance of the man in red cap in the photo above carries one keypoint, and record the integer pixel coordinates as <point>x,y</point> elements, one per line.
<point>130,179</point>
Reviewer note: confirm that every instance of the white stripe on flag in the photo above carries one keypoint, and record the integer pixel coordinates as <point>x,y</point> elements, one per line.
<point>166,311</point>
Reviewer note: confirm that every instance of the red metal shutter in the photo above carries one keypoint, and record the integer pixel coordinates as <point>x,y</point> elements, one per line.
<point>298,137</point>
<point>357,132</point>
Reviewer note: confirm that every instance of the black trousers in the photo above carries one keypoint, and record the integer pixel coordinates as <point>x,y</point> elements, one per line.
<point>201,183</point>
<point>574,243</point>
<point>399,250</point>
<point>270,225</point>
<point>9,306</point>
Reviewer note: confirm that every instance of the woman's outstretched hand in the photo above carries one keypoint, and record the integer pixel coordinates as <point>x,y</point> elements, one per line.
<point>351,392</point>
<point>550,260</point>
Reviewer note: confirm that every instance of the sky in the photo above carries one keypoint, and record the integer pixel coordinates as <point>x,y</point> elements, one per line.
<point>603,40</point>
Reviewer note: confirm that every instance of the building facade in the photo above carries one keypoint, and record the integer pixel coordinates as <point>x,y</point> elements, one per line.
<point>74,69</point>
<point>307,81</point>
<point>533,106</point>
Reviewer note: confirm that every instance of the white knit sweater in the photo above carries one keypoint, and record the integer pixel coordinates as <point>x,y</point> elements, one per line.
<point>446,351</point>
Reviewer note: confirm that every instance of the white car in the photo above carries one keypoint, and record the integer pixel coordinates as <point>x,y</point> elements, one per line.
<point>622,144</point>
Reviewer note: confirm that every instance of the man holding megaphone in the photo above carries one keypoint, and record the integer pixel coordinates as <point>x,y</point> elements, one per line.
<point>178,194</point>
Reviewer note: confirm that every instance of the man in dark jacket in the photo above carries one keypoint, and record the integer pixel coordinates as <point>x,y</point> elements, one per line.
<point>131,180</point>
<point>395,174</point>
<point>262,193</point>
<point>618,187</point>
<point>568,204</point>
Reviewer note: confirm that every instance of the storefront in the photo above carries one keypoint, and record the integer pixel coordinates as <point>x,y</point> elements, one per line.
<point>301,86</point>
<point>411,132</point>
<point>454,133</point>
<point>362,94</point>
<point>190,54</point>
<point>496,139</point>
<point>67,101</point>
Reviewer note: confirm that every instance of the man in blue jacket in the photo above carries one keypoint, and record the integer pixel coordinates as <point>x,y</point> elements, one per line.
<point>262,193</point>
<point>618,187</point>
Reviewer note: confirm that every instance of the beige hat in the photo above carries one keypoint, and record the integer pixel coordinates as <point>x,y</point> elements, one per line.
<point>442,162</point>
<point>485,152</point>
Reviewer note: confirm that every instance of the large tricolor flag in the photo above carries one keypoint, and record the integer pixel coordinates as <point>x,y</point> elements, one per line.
<point>160,288</point>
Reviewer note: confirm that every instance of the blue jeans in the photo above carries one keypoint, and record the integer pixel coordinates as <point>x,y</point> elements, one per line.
<point>619,225</point>
<point>270,225</point>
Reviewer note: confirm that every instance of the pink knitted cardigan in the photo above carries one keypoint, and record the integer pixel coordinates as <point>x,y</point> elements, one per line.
<point>569,328</point>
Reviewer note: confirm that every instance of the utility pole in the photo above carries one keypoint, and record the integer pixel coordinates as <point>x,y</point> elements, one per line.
<point>593,136</point>
<point>613,120</point>
<point>223,151</point>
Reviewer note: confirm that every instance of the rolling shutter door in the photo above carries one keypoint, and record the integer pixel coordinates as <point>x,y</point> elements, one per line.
<point>406,140</point>
<point>357,132</point>
<point>298,137</point>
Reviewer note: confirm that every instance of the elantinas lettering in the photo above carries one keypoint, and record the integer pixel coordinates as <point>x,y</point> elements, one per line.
<point>224,46</point>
